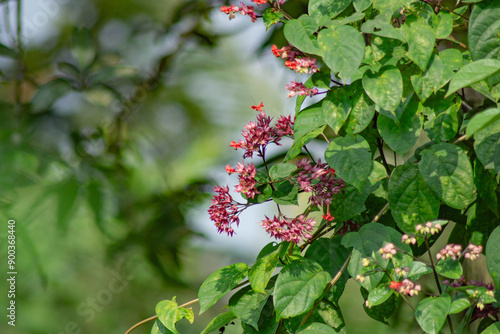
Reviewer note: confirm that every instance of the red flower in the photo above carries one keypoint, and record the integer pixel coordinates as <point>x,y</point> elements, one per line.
<point>395,285</point>
<point>230,170</point>
<point>237,145</point>
<point>259,2</point>
<point>259,107</point>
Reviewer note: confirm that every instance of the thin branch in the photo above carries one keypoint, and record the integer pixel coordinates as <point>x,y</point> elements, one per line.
<point>380,213</point>
<point>380,146</point>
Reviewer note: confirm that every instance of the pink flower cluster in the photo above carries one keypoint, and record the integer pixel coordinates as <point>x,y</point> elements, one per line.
<point>247,181</point>
<point>298,88</point>
<point>295,60</point>
<point>319,179</point>
<point>451,250</point>
<point>259,134</point>
<point>243,10</point>
<point>472,252</point>
<point>388,251</point>
<point>291,230</point>
<point>406,287</point>
<point>224,211</point>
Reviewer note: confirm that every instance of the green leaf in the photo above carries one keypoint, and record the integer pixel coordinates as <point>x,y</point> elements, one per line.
<point>169,313</point>
<point>83,47</point>
<point>350,156</point>
<point>330,255</point>
<point>493,256</point>
<point>298,285</point>
<point>333,24</point>
<point>285,193</point>
<point>480,222</point>
<point>247,305</point>
<point>487,146</point>
<point>482,120</point>
<point>417,270</point>
<point>401,135</point>
<point>343,50</point>
<point>388,8</point>
<point>309,119</point>
<point>449,268</point>
<point>67,196</point>
<point>382,29</point>
<point>412,202</point>
<point>336,107</point>
<point>271,16</point>
<point>158,328</point>
<point>324,10</point>
<point>492,329</point>
<point>459,305</point>
<point>443,126</point>
<point>484,25</point>
<point>219,283</point>
<point>297,35</point>
<point>486,186</point>
<point>444,27</point>
<point>366,243</point>
<point>262,270</point>
<point>281,171</point>
<point>317,328</point>
<point>473,73</point>
<point>452,61</point>
<point>219,321</point>
<point>385,88</point>
<point>47,94</point>
<point>431,313</point>
<point>378,296</point>
<point>361,5</point>
<point>299,143</point>
<point>421,40</point>
<point>447,170</point>
<point>267,322</point>
<point>383,311</point>
<point>430,81</point>
<point>362,112</point>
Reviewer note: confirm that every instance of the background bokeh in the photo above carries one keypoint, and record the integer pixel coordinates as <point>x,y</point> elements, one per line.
<point>115,122</point>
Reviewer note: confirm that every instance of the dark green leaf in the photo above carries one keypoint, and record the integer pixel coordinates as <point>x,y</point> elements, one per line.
<point>267,322</point>
<point>324,10</point>
<point>309,119</point>
<point>219,321</point>
<point>383,29</point>
<point>285,193</point>
<point>444,125</point>
<point>411,201</point>
<point>431,313</point>
<point>401,135</point>
<point>337,106</point>
<point>473,73</point>
<point>317,328</point>
<point>298,285</point>
<point>449,268</point>
<point>447,170</point>
<point>430,81</point>
<point>342,49</point>
<point>383,311</point>
<point>484,25</point>
<point>487,146</point>
<point>480,222</point>
<point>247,305</point>
<point>486,186</point>
<point>350,156</point>
<point>385,88</point>
<point>219,283</point>
<point>331,255</point>
<point>299,143</point>
<point>158,328</point>
<point>49,93</point>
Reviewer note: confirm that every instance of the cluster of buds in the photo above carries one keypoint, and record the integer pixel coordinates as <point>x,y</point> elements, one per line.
<point>388,251</point>
<point>259,134</point>
<point>406,287</point>
<point>409,239</point>
<point>401,272</point>
<point>295,59</point>
<point>224,211</point>
<point>453,251</point>
<point>298,88</point>
<point>428,228</point>
<point>243,10</point>
<point>291,230</point>
<point>472,252</point>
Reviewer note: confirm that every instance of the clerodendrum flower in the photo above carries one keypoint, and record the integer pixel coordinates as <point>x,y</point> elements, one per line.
<point>298,88</point>
<point>224,210</point>
<point>291,230</point>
